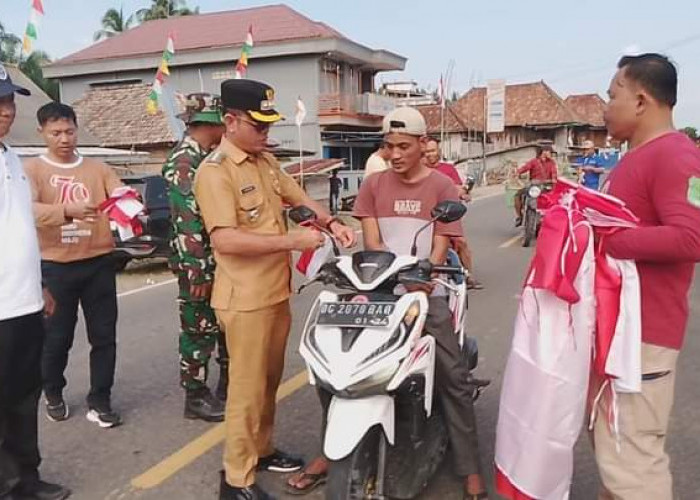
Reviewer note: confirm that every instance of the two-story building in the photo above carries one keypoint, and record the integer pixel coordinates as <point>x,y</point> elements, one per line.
<point>301,58</point>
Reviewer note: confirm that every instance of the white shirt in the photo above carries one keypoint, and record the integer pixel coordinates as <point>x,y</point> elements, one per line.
<point>375,163</point>
<point>20,260</point>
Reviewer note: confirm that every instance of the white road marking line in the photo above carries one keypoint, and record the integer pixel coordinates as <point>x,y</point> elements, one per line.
<point>146,288</point>
<point>511,242</point>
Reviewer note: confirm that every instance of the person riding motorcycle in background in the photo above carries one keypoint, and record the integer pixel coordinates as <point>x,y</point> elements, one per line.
<point>542,169</point>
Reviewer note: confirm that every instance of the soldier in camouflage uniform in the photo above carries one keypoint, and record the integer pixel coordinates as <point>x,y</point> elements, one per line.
<point>193,263</point>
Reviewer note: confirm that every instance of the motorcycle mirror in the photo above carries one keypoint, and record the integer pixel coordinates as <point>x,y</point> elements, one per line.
<point>448,211</point>
<point>471,181</point>
<point>302,214</point>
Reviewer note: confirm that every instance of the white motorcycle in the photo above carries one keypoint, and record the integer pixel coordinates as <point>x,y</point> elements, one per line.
<point>385,435</point>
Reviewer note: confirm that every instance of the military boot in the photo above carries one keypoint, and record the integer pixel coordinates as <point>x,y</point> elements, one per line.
<point>201,404</point>
<point>222,385</point>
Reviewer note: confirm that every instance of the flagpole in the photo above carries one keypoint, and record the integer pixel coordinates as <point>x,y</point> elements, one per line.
<point>301,159</point>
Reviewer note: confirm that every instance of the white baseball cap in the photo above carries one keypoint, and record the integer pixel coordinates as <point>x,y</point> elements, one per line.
<point>405,120</point>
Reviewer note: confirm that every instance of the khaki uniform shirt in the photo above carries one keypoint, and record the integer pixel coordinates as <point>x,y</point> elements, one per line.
<point>237,190</point>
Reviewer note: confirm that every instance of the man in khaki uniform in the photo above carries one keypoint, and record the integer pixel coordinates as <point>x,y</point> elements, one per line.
<point>241,191</point>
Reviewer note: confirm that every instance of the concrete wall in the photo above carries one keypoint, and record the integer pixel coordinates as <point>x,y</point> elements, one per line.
<point>292,77</point>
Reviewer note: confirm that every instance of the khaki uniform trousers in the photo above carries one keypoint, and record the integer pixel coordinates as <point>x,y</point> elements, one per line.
<point>256,341</point>
<point>640,469</point>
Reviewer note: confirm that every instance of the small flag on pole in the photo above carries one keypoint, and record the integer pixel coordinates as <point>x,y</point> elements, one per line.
<point>301,112</point>
<point>32,32</point>
<point>242,65</point>
<point>163,71</point>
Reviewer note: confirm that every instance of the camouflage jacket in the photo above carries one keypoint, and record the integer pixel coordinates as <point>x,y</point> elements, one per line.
<point>189,242</point>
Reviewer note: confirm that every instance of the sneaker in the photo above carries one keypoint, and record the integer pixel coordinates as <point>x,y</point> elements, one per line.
<point>104,416</point>
<point>279,461</point>
<point>203,405</point>
<point>57,409</point>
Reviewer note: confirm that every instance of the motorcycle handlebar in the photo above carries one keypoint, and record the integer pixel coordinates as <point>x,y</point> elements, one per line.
<point>447,270</point>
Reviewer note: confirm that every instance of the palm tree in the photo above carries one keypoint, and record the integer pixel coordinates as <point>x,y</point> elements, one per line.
<point>10,46</point>
<point>114,23</point>
<point>162,9</point>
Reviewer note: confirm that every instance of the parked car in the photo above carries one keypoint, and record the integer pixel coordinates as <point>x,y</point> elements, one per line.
<point>155,220</point>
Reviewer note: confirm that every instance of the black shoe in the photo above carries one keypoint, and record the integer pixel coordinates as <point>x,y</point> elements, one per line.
<point>279,461</point>
<point>221,391</point>
<point>203,405</point>
<point>103,415</point>
<point>56,409</point>
<point>253,492</point>
<point>40,490</point>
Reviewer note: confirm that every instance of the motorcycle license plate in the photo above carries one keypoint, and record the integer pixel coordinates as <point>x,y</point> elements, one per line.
<point>351,314</point>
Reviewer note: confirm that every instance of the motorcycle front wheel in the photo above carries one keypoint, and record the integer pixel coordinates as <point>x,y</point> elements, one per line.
<point>530,228</point>
<point>355,476</point>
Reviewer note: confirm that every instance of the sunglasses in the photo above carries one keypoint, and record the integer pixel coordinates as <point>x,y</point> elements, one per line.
<point>258,126</point>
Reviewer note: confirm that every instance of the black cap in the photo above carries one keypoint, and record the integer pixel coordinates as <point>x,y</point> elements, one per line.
<point>255,98</point>
<point>6,85</point>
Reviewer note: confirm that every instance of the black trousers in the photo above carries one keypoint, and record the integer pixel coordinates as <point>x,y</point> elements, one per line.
<point>91,284</point>
<point>453,388</point>
<point>21,341</point>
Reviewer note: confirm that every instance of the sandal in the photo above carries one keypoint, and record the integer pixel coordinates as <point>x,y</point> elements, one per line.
<point>312,481</point>
<point>473,284</point>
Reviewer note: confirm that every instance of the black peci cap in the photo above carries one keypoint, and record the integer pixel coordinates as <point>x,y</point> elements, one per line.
<point>255,98</point>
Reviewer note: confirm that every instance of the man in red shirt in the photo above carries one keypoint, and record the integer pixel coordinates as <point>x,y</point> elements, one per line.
<point>541,169</point>
<point>460,244</point>
<point>659,180</point>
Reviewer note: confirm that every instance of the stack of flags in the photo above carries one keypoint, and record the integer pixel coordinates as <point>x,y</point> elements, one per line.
<point>163,71</point>
<point>31,33</point>
<point>242,65</point>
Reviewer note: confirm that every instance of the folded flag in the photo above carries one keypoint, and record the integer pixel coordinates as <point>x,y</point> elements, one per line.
<point>123,207</point>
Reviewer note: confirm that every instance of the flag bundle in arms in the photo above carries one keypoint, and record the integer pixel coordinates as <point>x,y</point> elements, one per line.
<point>161,74</point>
<point>578,331</point>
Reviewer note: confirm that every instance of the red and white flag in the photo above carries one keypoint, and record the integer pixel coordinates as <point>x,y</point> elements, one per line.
<point>311,260</point>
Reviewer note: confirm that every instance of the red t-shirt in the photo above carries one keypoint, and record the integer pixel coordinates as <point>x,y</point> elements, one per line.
<point>540,170</point>
<point>401,209</point>
<point>660,182</point>
<point>450,171</point>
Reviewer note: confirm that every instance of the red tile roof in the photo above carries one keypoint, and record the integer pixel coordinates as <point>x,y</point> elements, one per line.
<point>527,104</point>
<point>588,107</point>
<point>116,115</point>
<point>273,23</point>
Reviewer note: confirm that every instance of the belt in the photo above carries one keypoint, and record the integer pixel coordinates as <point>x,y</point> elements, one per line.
<point>655,375</point>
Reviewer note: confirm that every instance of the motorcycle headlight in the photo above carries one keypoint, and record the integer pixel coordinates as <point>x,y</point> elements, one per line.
<point>534,191</point>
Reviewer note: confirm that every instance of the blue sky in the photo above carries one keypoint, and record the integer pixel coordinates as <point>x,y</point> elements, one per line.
<point>572,45</point>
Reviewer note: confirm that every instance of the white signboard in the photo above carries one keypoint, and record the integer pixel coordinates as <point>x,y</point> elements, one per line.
<point>495,106</point>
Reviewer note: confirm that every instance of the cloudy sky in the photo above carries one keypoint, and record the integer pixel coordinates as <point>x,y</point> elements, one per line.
<point>572,45</point>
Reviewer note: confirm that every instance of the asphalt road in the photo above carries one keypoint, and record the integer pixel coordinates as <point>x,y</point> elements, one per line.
<point>107,464</point>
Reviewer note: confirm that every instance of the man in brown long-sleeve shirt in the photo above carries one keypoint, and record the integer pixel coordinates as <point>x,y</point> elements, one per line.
<point>76,242</point>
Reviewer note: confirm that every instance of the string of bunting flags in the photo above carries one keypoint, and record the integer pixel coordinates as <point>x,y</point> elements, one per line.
<point>242,64</point>
<point>161,74</point>
<point>32,31</point>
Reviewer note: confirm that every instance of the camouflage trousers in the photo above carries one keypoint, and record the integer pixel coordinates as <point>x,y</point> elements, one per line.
<point>199,336</point>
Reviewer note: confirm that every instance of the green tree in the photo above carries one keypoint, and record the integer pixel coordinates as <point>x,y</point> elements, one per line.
<point>162,9</point>
<point>32,66</point>
<point>114,23</point>
<point>691,132</point>
<point>10,46</point>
